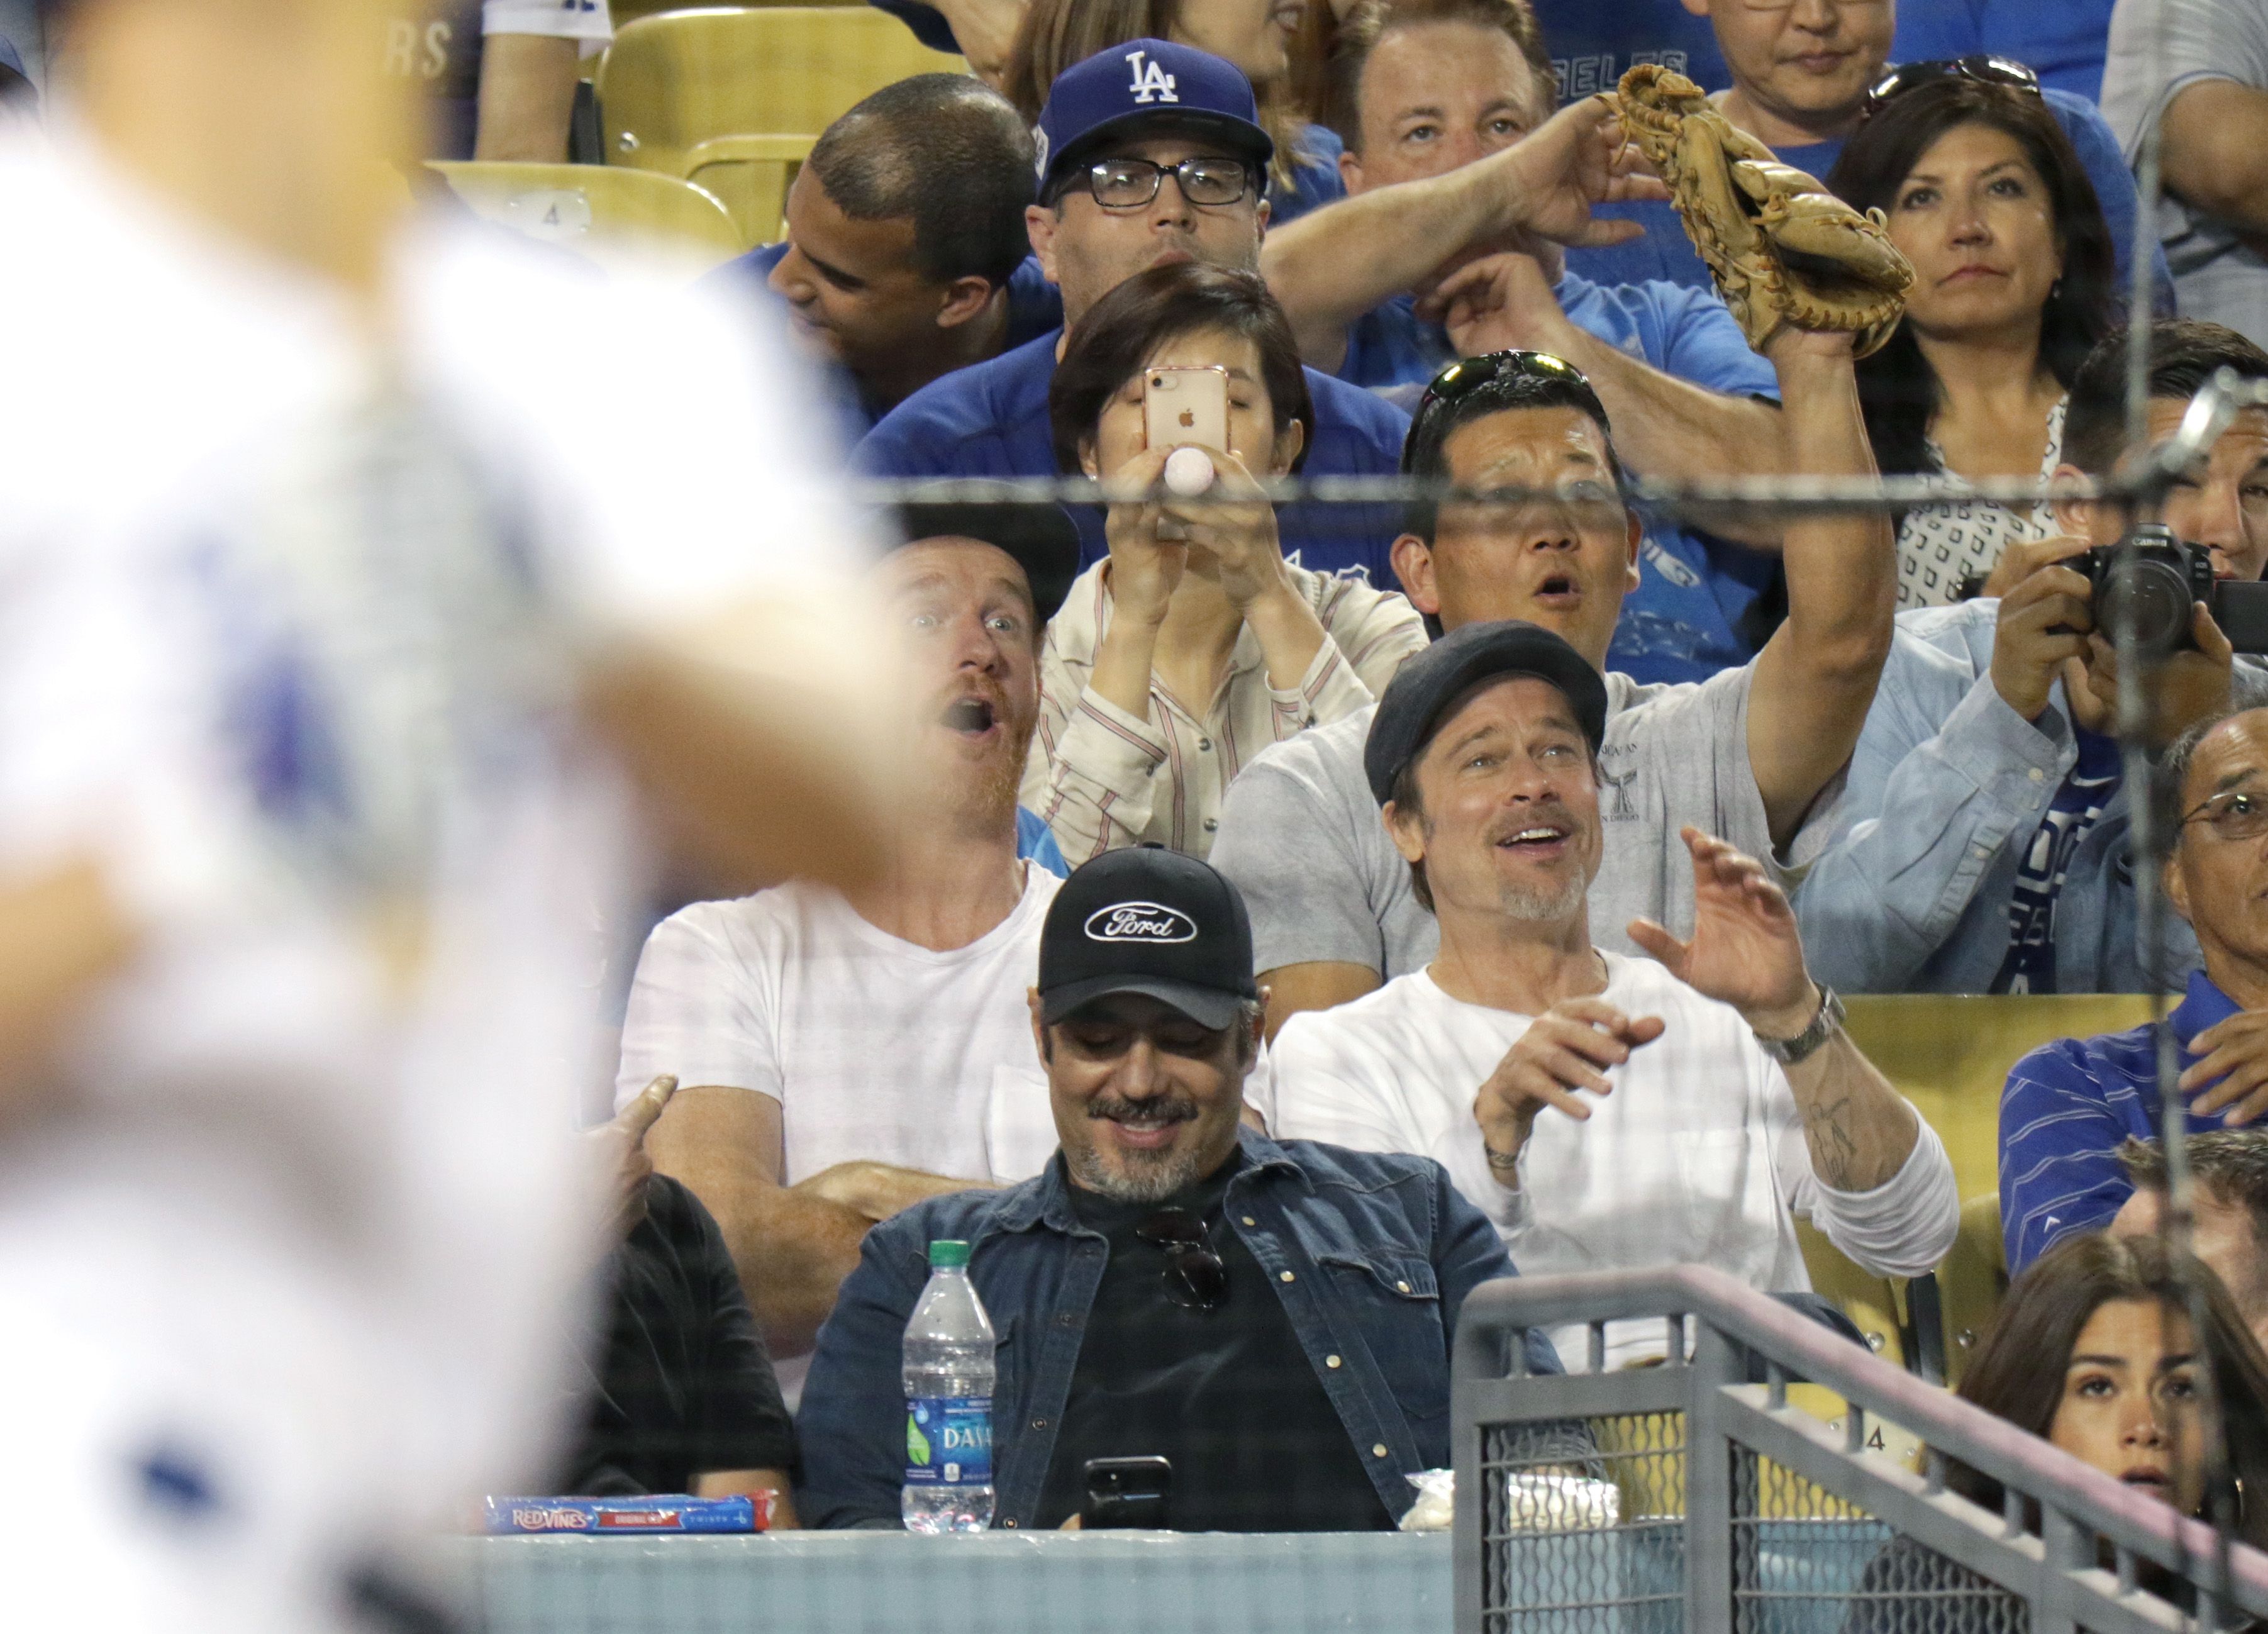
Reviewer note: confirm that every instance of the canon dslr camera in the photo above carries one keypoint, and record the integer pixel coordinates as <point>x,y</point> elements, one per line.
<point>2150,583</point>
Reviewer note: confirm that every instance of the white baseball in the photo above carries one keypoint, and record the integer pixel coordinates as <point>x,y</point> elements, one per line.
<point>1188,471</point>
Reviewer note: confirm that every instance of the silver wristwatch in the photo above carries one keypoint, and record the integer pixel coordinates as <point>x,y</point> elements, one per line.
<point>1788,1051</point>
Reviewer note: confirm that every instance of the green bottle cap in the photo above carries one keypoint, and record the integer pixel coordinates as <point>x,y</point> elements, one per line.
<point>947,1255</point>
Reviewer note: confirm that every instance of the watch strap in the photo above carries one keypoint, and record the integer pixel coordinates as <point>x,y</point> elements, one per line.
<point>1825,1025</point>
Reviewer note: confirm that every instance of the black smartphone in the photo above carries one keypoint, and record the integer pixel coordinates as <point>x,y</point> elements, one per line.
<point>1127,1492</point>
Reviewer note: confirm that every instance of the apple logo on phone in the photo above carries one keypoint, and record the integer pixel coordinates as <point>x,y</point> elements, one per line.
<point>1189,418</point>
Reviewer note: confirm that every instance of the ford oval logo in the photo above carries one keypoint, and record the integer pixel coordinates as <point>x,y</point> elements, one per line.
<point>1140,922</point>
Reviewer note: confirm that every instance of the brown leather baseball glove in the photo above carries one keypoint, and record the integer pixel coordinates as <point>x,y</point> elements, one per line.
<point>1783,249</point>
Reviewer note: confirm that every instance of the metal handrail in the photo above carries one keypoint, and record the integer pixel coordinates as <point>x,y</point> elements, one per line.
<point>1729,1318</point>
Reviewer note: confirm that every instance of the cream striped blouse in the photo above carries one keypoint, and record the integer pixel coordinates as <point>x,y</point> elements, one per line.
<point>1102,778</point>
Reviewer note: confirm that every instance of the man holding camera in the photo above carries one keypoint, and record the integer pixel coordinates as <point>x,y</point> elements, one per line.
<point>1982,846</point>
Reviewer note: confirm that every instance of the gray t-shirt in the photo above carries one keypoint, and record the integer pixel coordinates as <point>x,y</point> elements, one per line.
<point>2159,49</point>
<point>1301,836</point>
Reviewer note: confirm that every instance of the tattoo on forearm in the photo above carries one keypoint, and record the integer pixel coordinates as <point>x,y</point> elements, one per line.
<point>1834,1152</point>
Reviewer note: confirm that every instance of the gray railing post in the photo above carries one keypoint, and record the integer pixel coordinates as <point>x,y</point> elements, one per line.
<point>2065,1548</point>
<point>1717,1362</point>
<point>1943,1556</point>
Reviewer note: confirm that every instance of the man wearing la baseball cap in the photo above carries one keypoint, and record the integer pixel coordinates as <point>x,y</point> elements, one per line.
<point>1149,153</point>
<point>1271,1319</point>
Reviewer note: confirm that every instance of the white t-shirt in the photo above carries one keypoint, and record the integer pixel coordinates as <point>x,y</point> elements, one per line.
<point>585,20</point>
<point>287,639</point>
<point>1699,1155</point>
<point>876,1048</point>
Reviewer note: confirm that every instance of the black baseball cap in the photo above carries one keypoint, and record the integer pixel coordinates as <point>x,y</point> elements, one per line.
<point>1433,679</point>
<point>1150,920</point>
<point>1041,539</point>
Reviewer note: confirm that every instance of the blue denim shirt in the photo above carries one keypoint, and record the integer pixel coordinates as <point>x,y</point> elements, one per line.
<point>1371,1253</point>
<point>1947,787</point>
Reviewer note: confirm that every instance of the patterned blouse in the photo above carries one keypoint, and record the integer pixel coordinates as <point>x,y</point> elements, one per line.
<point>1103,778</point>
<point>1943,545</point>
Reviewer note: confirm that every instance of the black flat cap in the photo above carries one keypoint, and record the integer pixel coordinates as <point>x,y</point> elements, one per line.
<point>1042,538</point>
<point>1433,679</point>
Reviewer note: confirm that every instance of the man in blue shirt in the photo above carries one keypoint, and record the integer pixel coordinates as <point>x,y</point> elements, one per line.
<point>1456,205</point>
<point>1796,78</point>
<point>1982,840</point>
<point>1273,1317</point>
<point>1154,104</point>
<point>2064,43</point>
<point>905,257</point>
<point>2069,1105</point>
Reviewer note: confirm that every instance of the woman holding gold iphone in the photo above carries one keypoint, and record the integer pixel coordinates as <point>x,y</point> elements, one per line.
<point>1194,644</point>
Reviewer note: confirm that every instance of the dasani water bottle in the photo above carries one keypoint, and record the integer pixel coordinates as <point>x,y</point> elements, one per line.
<point>948,1379</point>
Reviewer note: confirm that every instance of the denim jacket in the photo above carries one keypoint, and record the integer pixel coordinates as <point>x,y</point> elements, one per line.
<point>1947,787</point>
<point>1372,1255</point>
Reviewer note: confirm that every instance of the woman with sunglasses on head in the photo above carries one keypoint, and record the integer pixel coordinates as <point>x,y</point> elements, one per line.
<point>2013,285</point>
<point>1254,35</point>
<point>1194,644</point>
<point>2094,1352</point>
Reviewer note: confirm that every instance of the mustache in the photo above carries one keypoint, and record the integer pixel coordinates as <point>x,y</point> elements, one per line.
<point>1152,1112</point>
<point>1545,812</point>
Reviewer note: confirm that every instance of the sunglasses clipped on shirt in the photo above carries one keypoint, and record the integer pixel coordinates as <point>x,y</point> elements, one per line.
<point>1978,68</point>
<point>1195,1279</point>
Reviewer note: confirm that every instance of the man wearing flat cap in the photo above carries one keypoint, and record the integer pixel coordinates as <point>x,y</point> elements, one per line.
<point>1271,1318</point>
<point>1606,1112</point>
<point>842,1056</point>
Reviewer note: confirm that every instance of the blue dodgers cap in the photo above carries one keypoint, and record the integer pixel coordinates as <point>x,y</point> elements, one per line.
<point>1148,81</point>
<point>1430,681</point>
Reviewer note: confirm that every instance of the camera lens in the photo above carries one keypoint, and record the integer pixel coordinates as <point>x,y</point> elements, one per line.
<point>2150,598</point>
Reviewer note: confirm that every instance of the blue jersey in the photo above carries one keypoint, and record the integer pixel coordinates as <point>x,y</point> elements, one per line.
<point>2066,1107</point>
<point>1592,46</point>
<point>2063,43</point>
<point>1681,623</point>
<point>992,420</point>
<point>1315,179</point>
<point>1035,308</point>
<point>1666,252</point>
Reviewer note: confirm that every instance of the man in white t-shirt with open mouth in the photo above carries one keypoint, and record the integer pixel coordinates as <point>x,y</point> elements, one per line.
<point>1607,1112</point>
<point>842,1058</point>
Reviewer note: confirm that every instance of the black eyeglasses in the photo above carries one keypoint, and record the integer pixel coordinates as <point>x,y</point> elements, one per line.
<point>1130,183</point>
<point>1195,1280</point>
<point>1460,379</point>
<point>1978,68</point>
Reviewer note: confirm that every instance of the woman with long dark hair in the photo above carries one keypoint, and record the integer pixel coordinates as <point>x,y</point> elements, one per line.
<point>2093,1351</point>
<point>2013,285</point>
<point>1256,35</point>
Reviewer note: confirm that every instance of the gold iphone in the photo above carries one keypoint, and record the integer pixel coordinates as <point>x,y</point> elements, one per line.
<point>1186,405</point>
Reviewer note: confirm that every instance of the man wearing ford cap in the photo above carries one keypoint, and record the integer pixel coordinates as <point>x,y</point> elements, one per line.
<point>1272,1317</point>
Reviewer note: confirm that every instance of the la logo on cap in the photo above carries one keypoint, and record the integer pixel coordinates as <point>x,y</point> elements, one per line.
<point>1140,922</point>
<point>1152,82</point>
